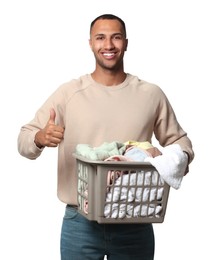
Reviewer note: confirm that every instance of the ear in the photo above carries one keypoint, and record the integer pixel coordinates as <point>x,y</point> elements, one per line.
<point>126,45</point>
<point>90,44</point>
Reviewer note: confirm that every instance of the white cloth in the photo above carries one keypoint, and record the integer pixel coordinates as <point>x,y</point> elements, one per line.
<point>117,210</point>
<point>171,165</point>
<point>124,198</point>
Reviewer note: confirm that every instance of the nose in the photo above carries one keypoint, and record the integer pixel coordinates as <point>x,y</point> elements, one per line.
<point>108,44</point>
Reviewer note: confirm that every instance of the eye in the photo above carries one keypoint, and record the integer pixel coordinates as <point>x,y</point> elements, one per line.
<point>100,37</point>
<point>117,37</point>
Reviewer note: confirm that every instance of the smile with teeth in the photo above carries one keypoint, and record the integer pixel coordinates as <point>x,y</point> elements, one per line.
<point>108,54</point>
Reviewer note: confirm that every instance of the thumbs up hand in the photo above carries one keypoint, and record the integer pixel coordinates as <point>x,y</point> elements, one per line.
<point>51,135</point>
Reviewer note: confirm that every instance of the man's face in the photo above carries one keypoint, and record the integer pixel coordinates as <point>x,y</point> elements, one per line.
<point>108,43</point>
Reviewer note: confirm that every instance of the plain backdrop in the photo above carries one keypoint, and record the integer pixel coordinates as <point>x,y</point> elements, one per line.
<point>43,44</point>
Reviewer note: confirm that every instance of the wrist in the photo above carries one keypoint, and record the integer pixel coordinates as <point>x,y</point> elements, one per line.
<point>37,142</point>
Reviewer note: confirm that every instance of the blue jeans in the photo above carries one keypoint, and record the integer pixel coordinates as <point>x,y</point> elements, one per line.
<point>82,239</point>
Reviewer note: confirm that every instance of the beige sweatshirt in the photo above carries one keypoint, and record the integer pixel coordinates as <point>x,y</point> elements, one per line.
<point>92,114</point>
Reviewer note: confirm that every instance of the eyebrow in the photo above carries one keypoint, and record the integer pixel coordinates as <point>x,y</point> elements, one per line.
<point>114,34</point>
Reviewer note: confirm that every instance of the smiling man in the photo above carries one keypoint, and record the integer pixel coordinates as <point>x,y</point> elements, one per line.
<point>105,106</point>
<point>108,43</point>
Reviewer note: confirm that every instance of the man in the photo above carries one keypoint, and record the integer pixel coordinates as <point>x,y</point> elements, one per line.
<point>105,106</point>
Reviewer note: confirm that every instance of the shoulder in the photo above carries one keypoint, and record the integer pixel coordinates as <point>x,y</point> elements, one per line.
<point>145,86</point>
<point>74,86</point>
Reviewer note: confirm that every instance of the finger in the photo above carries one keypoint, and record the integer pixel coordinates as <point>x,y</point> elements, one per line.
<point>52,116</point>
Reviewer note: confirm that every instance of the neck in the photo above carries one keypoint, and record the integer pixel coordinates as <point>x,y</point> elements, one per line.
<point>108,77</point>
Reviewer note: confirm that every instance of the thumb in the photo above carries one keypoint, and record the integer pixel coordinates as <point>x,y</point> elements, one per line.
<point>52,116</point>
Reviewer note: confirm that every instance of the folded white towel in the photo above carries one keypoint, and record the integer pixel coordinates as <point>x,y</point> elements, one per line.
<point>171,165</point>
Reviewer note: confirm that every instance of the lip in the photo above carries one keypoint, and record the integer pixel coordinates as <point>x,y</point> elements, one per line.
<point>109,55</point>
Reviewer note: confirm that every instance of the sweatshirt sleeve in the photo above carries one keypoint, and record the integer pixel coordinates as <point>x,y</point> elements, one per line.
<point>25,143</point>
<point>167,129</point>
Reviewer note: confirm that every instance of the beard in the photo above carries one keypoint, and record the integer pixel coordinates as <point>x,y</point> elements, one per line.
<point>109,65</point>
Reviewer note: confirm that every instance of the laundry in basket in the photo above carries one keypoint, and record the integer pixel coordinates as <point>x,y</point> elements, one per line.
<point>121,191</point>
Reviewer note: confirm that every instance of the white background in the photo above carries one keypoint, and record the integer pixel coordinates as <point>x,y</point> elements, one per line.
<point>45,43</point>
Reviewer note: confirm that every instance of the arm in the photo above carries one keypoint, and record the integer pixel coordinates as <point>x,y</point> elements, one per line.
<point>168,130</point>
<point>32,140</point>
<point>46,129</point>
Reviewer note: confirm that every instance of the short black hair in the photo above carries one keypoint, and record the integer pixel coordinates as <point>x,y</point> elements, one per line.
<point>109,17</point>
